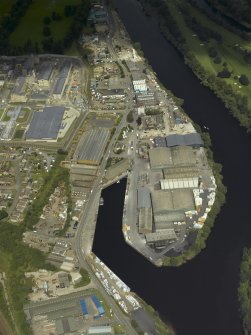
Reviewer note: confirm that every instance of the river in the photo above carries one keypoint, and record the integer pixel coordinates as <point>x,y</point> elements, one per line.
<point>200,297</point>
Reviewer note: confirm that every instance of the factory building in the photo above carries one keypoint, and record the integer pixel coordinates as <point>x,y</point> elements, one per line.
<point>18,92</point>
<point>171,205</point>
<point>174,140</point>
<point>100,330</point>
<point>146,99</point>
<point>44,74</point>
<point>144,198</point>
<point>92,146</point>
<point>139,85</point>
<point>45,125</point>
<point>145,210</point>
<point>159,239</point>
<point>193,139</point>
<point>112,94</point>
<point>163,157</point>
<point>180,177</point>
<point>62,80</point>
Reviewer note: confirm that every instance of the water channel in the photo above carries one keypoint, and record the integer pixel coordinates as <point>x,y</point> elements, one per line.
<point>201,296</point>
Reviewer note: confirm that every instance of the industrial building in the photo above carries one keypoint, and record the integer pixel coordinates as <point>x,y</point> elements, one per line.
<point>18,92</point>
<point>145,220</point>
<point>112,94</point>
<point>46,125</point>
<point>144,198</point>
<point>146,99</point>
<point>66,325</point>
<point>171,205</point>
<point>62,80</point>
<point>192,139</point>
<point>100,330</point>
<point>44,74</point>
<point>163,157</point>
<point>139,85</point>
<point>92,146</point>
<point>180,177</point>
<point>158,239</point>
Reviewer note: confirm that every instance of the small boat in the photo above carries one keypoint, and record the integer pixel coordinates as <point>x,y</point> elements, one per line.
<point>101,202</point>
<point>118,181</point>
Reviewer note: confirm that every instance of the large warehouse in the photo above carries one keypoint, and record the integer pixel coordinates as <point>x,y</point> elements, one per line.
<point>46,125</point>
<point>171,205</point>
<point>174,140</point>
<point>162,157</point>
<point>92,146</point>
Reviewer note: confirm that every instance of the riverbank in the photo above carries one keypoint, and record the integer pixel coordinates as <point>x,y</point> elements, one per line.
<point>219,58</point>
<point>244,290</point>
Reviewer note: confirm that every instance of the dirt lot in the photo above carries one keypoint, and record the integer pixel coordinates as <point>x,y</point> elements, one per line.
<point>4,329</point>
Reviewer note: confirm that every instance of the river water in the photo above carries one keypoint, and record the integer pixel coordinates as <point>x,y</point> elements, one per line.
<point>199,298</point>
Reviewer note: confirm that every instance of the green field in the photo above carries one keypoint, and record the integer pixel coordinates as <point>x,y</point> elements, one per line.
<point>5,6</point>
<point>31,25</point>
<point>234,60</point>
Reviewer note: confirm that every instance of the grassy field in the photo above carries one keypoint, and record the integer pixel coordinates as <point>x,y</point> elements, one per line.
<point>5,6</point>
<point>226,51</point>
<point>31,25</point>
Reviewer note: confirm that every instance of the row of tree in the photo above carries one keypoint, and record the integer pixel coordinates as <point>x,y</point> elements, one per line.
<point>204,33</point>
<point>244,291</point>
<point>238,9</point>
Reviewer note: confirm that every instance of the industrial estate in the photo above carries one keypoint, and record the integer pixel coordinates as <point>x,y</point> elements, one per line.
<point>96,123</point>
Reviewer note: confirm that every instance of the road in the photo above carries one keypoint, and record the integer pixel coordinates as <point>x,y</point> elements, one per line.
<point>87,221</point>
<point>86,228</point>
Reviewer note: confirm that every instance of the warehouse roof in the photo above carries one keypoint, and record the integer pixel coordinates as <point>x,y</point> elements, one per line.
<point>93,145</point>
<point>145,220</point>
<point>187,139</point>
<point>165,234</point>
<point>187,171</point>
<point>160,157</point>
<point>58,88</point>
<point>44,71</point>
<point>19,87</point>
<point>46,124</point>
<point>172,200</point>
<point>107,330</point>
<point>183,156</point>
<point>144,199</point>
<point>160,141</point>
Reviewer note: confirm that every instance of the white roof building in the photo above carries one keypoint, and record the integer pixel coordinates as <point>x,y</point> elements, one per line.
<point>139,85</point>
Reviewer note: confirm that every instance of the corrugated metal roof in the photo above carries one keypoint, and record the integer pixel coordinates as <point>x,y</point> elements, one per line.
<point>100,330</point>
<point>188,139</point>
<point>46,124</point>
<point>144,199</point>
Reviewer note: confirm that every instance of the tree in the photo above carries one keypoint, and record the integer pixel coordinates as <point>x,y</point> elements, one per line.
<point>130,117</point>
<point>47,20</point>
<point>47,31</point>
<point>244,80</point>
<point>212,52</point>
<point>3,214</point>
<point>217,60</point>
<point>225,73</point>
